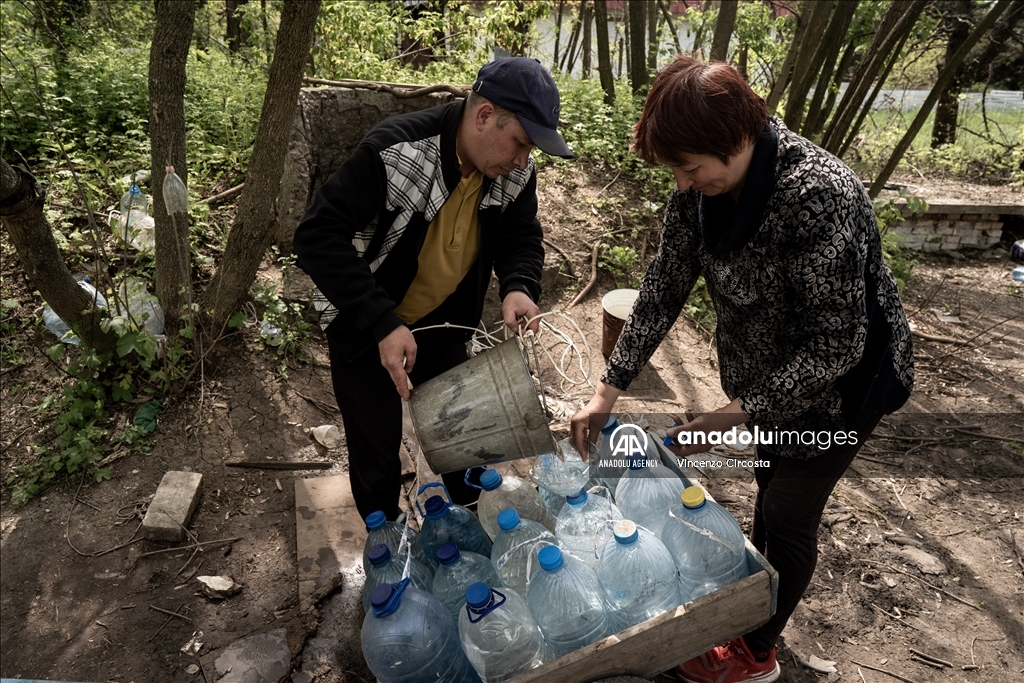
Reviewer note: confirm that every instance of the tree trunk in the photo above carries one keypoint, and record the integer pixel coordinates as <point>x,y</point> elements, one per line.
<point>21,211</point>
<point>698,32</point>
<point>958,23</point>
<point>833,41</point>
<point>237,35</point>
<point>833,91</point>
<point>945,76</point>
<point>167,57</point>
<point>807,63</point>
<point>652,36</point>
<point>896,24</point>
<point>201,34</point>
<point>587,12</point>
<point>723,29</point>
<point>558,33</point>
<point>779,87</point>
<point>254,224</point>
<point>522,29</point>
<point>604,57</point>
<point>637,46</point>
<point>671,26</point>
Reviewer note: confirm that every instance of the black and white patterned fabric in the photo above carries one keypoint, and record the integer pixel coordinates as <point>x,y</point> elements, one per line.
<point>790,302</point>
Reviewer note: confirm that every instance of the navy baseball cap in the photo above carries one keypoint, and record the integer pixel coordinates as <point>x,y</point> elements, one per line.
<point>524,87</point>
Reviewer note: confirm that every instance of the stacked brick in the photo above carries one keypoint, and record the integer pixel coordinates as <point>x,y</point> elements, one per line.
<point>949,231</point>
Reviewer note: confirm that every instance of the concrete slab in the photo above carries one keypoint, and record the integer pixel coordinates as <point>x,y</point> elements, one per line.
<point>172,505</point>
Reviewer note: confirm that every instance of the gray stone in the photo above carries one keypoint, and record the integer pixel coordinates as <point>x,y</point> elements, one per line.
<point>926,562</point>
<point>262,658</point>
<point>172,505</point>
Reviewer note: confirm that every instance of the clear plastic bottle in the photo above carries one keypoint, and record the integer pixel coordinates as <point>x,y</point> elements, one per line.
<point>446,522</point>
<point>499,634</point>
<point>135,225</point>
<point>53,322</point>
<point>706,543</point>
<point>408,636</point>
<point>380,530</point>
<point>566,600</point>
<point>552,501</point>
<point>609,473</point>
<point>646,492</point>
<point>387,569</point>
<point>638,576</point>
<point>456,572</point>
<point>582,526</point>
<point>175,194</point>
<point>515,549</point>
<point>508,491</point>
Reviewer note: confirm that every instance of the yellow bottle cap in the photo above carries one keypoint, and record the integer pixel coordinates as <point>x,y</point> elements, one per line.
<point>692,496</point>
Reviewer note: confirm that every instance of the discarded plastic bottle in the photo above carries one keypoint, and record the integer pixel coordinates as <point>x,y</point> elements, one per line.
<point>135,302</point>
<point>380,530</point>
<point>499,634</point>
<point>175,194</point>
<point>566,600</point>
<point>54,324</point>
<point>446,522</point>
<point>706,544</point>
<point>582,525</point>
<point>638,576</point>
<point>646,492</point>
<point>1018,274</point>
<point>387,569</point>
<point>501,491</point>
<point>409,636</point>
<point>456,572</point>
<point>135,226</point>
<point>271,333</point>
<point>514,553</point>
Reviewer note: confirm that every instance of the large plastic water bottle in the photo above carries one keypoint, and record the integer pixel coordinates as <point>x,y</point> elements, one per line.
<point>54,324</point>
<point>514,553</point>
<point>387,569</point>
<point>638,576</point>
<point>508,491</point>
<point>456,572</point>
<point>566,600</point>
<point>446,522</point>
<point>706,543</point>
<point>408,636</point>
<point>552,501</point>
<point>380,530</point>
<point>499,634</point>
<point>609,473</point>
<point>646,492</point>
<point>582,526</point>
<point>135,226</point>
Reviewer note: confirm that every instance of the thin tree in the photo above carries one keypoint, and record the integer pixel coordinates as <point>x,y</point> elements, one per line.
<point>172,34</point>
<point>897,22</point>
<point>558,32</point>
<point>944,77</point>
<point>671,25</point>
<point>21,212</point>
<point>604,57</point>
<point>723,29</point>
<point>587,12</point>
<point>652,36</point>
<point>780,84</point>
<point>237,35</point>
<point>842,17</point>
<point>810,55</point>
<point>956,19</point>
<point>253,228</point>
<point>637,46</point>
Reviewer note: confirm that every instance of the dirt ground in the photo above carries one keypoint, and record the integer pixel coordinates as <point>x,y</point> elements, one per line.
<point>79,591</point>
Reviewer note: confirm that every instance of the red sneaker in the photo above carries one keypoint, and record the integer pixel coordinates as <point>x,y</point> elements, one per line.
<point>729,663</point>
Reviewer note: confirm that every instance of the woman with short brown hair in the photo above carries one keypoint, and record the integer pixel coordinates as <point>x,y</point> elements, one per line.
<point>811,332</point>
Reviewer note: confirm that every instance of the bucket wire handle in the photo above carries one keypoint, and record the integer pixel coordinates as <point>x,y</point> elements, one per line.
<point>423,488</point>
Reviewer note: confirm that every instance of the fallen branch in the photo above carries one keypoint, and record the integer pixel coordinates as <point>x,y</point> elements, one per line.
<point>893,616</point>
<point>219,541</point>
<point>593,275</point>
<point>400,90</point>
<point>170,613</point>
<point>223,195</point>
<point>283,465</point>
<point>610,183</point>
<point>883,671</point>
<point>572,268</point>
<point>932,586</point>
<point>327,408</point>
<point>936,338</point>
<point>929,657</point>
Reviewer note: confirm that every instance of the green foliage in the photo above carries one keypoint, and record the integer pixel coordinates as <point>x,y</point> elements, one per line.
<point>620,261</point>
<point>282,326</point>
<point>700,308</point>
<point>900,259</point>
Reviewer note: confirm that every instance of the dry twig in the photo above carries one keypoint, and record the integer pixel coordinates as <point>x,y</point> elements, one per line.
<point>943,662</point>
<point>883,671</point>
<point>593,275</point>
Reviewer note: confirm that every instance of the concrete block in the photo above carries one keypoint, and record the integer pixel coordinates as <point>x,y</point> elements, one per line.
<point>993,239</point>
<point>922,230</point>
<point>951,239</point>
<point>964,225</point>
<point>953,216</point>
<point>930,246</point>
<point>970,217</point>
<point>990,216</point>
<point>943,224</point>
<point>172,505</point>
<point>932,239</point>
<point>943,231</point>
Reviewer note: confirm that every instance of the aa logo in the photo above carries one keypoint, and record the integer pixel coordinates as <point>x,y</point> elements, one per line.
<point>628,439</point>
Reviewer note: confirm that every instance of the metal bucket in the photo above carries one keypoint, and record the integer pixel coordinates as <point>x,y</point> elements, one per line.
<point>481,412</point>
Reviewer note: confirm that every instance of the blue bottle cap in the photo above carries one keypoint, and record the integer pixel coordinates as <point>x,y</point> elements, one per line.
<point>477,595</point>
<point>379,554</point>
<point>578,498</point>
<point>610,426</point>
<point>375,520</point>
<point>436,507</point>
<point>625,532</point>
<point>134,189</point>
<point>448,553</point>
<point>550,558</point>
<point>508,519</point>
<point>668,441</point>
<point>490,479</point>
<point>380,595</point>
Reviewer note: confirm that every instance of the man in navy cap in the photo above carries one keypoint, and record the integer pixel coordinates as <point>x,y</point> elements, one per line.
<point>405,235</point>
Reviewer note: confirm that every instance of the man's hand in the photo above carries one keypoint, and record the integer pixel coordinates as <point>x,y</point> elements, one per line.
<point>587,424</point>
<point>398,355</point>
<point>721,420</point>
<point>518,304</point>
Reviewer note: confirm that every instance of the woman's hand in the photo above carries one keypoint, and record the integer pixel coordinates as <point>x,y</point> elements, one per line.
<point>587,423</point>
<point>721,420</point>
